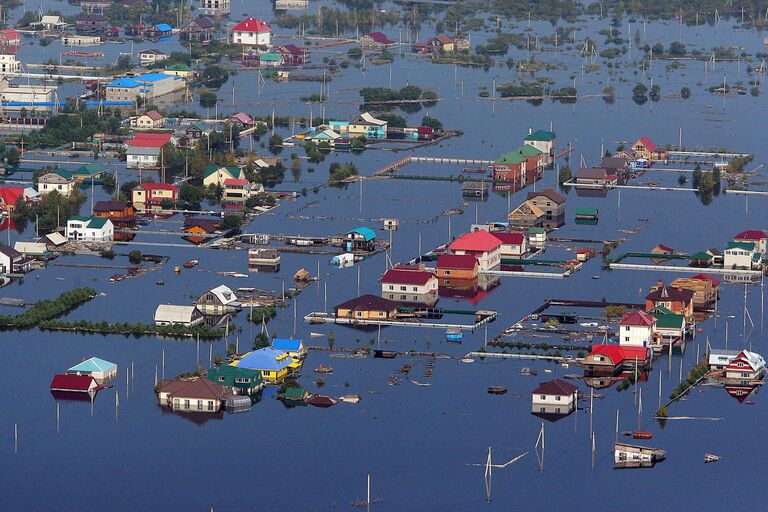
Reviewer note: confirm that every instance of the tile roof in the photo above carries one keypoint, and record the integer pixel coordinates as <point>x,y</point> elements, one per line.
<point>648,144</point>
<point>413,277</point>
<point>510,238</point>
<point>479,240</point>
<point>670,293</point>
<point>199,388</point>
<point>235,182</point>
<point>555,387</point>
<point>251,25</point>
<point>63,382</point>
<point>456,261</point>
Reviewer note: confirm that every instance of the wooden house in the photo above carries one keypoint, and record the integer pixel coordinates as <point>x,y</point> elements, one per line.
<point>367,307</point>
<point>375,41</point>
<point>705,288</point>
<point>662,250</point>
<point>441,44</point>
<point>595,176</point>
<point>549,202</point>
<point>121,213</point>
<point>646,149</point>
<point>199,226</point>
<point>158,31</point>
<point>201,29</point>
<point>526,215</point>
<point>90,23</point>
<point>609,359</point>
<point>293,55</point>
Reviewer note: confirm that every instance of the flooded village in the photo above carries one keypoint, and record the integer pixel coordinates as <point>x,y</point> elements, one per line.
<point>417,255</point>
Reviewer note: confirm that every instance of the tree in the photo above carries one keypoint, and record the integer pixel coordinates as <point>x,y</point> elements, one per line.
<point>214,76</point>
<point>639,93</point>
<point>655,93</point>
<point>677,49</point>
<point>134,257</point>
<point>12,156</point>
<point>697,175</point>
<point>261,341</point>
<point>685,93</point>
<point>432,122</point>
<point>231,221</point>
<point>208,99</point>
<point>123,63</point>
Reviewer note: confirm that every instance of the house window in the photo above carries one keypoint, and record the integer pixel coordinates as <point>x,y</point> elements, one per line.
<point>221,379</point>
<point>626,338</point>
<point>402,297</point>
<point>557,398</point>
<point>626,328</point>
<point>186,404</point>
<point>175,403</point>
<point>199,405</point>
<point>359,314</point>
<point>391,287</point>
<point>210,405</point>
<point>415,289</point>
<point>447,272</point>
<point>543,397</point>
<point>402,288</point>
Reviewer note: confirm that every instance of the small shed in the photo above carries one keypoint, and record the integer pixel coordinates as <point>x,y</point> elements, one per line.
<point>74,383</point>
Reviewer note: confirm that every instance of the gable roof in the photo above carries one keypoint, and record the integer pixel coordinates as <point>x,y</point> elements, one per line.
<point>232,171</point>
<point>412,277</point>
<point>541,136</point>
<point>109,206</point>
<point>549,194</point>
<point>173,313</point>
<point>9,195</point>
<point>151,185</point>
<point>163,27</point>
<point>251,25</point>
<point>150,140</point>
<point>380,38</point>
<point>457,261</point>
<point>509,238</point>
<point>292,49</point>
<point>638,318</point>
<point>665,319</point>
<point>94,364</point>
<point>745,246</point>
<point>9,251</point>
<point>207,225</point>
<point>594,173</point>
<point>369,302</point>
<point>154,115</point>
<point>715,281</point>
<point>198,388</point>
<point>751,234</point>
<point>479,240</point>
<point>555,387</point>
<point>753,359</point>
<point>242,117</point>
<point>368,118</point>
<point>62,382</point>
<point>670,293</point>
<point>202,21</point>
<point>645,141</point>
<point>511,158</point>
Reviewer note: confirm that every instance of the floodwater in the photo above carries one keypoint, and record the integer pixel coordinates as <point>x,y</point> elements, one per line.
<point>415,441</point>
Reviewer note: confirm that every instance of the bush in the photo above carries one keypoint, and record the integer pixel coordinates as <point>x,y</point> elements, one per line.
<point>134,257</point>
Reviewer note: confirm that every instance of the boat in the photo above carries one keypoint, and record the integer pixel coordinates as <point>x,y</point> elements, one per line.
<point>160,283</point>
<point>527,372</point>
<point>177,269</point>
<point>642,435</point>
<point>634,456</point>
<point>316,334</point>
<point>239,275</point>
<point>350,399</point>
<point>191,264</point>
<point>454,335</point>
<point>467,360</point>
<point>497,390</point>
<point>116,278</point>
<point>324,369</point>
<point>322,401</point>
<point>708,458</point>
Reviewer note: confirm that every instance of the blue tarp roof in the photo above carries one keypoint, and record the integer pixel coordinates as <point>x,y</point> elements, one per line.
<point>265,359</point>
<point>367,233</point>
<point>93,364</point>
<point>163,27</point>
<point>286,344</point>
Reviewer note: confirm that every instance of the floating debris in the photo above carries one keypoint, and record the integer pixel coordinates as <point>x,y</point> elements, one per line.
<point>708,458</point>
<point>497,390</point>
<point>324,369</point>
<point>350,399</point>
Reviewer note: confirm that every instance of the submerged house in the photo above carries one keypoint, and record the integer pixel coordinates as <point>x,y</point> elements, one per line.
<point>274,365</point>
<point>239,380</point>
<point>367,307</point>
<point>544,141</point>
<point>677,300</point>
<point>554,399</point>
<point>95,367</point>
<point>192,395</point>
<point>455,266</point>
<point>74,383</point>
<point>481,245</point>
<point>747,365</point>
<point>360,239</point>
<point>608,359</point>
<point>218,301</point>
<point>170,314</point>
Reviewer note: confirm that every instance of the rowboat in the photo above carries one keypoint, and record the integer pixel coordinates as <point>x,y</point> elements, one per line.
<point>708,458</point>
<point>191,264</point>
<point>497,390</point>
<point>642,435</point>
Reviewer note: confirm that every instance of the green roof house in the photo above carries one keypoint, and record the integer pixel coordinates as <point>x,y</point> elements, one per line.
<point>295,395</point>
<point>544,141</point>
<point>242,381</point>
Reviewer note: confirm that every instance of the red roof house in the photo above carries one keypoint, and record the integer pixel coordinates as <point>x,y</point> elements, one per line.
<point>150,140</point>
<point>756,236</point>
<point>715,281</point>
<point>251,25</point>
<point>457,266</point>
<point>512,244</point>
<point>612,359</point>
<point>74,383</point>
<point>251,32</point>
<point>480,244</point>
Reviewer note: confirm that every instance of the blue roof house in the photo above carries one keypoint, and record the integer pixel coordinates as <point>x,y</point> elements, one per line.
<point>150,85</point>
<point>360,239</point>
<point>273,364</point>
<point>295,348</point>
<point>95,367</point>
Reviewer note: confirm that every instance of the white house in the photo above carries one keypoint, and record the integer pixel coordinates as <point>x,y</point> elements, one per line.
<point>169,314</point>
<point>251,32</point>
<point>151,120</point>
<point>150,56</point>
<point>54,181</point>
<point>90,229</point>
<point>95,367</point>
<point>410,283</point>
<point>636,329</point>
<point>512,244</point>
<point>218,301</point>
<point>555,392</point>
<point>12,261</point>
<point>742,255</point>
<point>747,365</point>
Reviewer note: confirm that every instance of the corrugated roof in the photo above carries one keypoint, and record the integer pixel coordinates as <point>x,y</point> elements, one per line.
<point>751,234</point>
<point>549,194</point>
<point>510,238</point>
<point>174,314</point>
<point>412,277</point>
<point>369,302</point>
<point>745,246</point>
<point>541,135</point>
<point>251,25</point>
<point>287,344</point>
<point>479,240</point>
<point>94,364</point>
<point>638,318</point>
<point>268,358</point>
<point>198,388</point>
<point>670,293</point>
<point>80,383</point>
<point>555,387</point>
<point>510,159</point>
<point>366,233</point>
<point>456,261</point>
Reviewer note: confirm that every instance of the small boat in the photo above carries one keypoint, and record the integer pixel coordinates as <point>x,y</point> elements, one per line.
<point>177,269</point>
<point>547,370</point>
<point>239,275</point>
<point>116,278</point>
<point>642,435</point>
<point>324,369</point>
<point>708,458</point>
<point>350,399</point>
<point>316,334</point>
<point>191,264</point>
<point>527,372</point>
<point>595,277</point>
<point>564,365</point>
<point>497,390</point>
<point>160,283</point>
<point>467,360</point>
<point>322,401</point>
<point>384,354</point>
<point>420,383</point>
